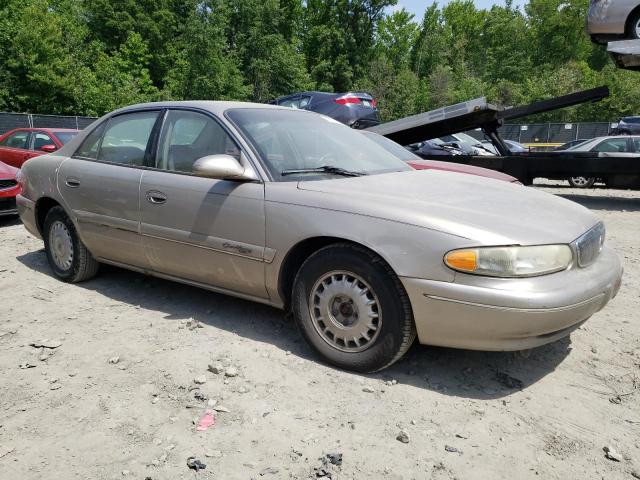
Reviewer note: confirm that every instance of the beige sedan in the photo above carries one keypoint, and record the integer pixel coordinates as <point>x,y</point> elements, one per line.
<point>295,210</point>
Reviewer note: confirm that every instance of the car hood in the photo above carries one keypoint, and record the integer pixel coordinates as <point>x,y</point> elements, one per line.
<point>7,171</point>
<point>460,168</point>
<point>486,211</point>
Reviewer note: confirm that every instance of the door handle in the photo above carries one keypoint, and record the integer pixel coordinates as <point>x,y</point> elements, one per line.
<point>155,197</point>
<point>72,182</point>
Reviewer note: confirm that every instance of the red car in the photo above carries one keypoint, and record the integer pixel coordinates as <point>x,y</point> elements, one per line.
<point>19,145</point>
<point>420,164</point>
<point>9,188</point>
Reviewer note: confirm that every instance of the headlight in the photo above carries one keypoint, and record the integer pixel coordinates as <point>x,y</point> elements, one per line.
<point>510,261</point>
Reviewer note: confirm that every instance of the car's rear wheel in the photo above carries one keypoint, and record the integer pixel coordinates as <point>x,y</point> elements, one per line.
<point>582,182</point>
<point>352,309</point>
<point>633,30</point>
<point>68,257</point>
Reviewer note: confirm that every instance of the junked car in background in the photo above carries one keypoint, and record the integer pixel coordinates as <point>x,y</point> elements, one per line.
<point>613,19</point>
<point>514,147</point>
<point>613,146</point>
<point>9,189</point>
<point>300,212</point>
<point>20,144</point>
<point>628,126</point>
<point>355,109</point>
<point>420,164</point>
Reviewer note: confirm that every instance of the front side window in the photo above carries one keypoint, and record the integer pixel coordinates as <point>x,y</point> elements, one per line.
<point>612,145</point>
<point>16,140</point>
<point>126,138</point>
<point>187,136</point>
<point>40,140</point>
<point>294,140</point>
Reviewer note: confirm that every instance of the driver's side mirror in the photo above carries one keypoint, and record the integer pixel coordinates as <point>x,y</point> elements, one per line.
<point>222,167</point>
<point>48,148</point>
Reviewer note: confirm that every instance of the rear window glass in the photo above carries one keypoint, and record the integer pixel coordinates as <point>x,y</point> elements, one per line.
<point>64,137</point>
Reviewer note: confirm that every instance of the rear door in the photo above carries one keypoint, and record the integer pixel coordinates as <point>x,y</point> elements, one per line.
<point>14,148</point>
<point>100,185</point>
<point>202,229</point>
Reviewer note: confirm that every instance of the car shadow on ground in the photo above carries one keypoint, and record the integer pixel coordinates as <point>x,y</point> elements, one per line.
<point>608,202</point>
<point>9,221</point>
<point>459,373</point>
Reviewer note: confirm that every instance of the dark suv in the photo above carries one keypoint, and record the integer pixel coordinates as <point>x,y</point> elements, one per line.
<point>356,109</point>
<point>628,126</point>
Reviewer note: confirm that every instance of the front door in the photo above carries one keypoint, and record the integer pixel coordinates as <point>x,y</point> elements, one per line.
<point>200,229</point>
<point>100,184</point>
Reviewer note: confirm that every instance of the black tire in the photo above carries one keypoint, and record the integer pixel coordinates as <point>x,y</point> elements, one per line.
<point>82,265</point>
<point>585,182</point>
<point>397,331</point>
<point>632,31</point>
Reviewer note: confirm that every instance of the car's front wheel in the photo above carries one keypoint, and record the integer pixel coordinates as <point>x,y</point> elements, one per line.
<point>582,182</point>
<point>352,309</point>
<point>68,257</point>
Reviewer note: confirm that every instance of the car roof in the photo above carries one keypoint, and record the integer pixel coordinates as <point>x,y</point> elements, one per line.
<point>217,107</point>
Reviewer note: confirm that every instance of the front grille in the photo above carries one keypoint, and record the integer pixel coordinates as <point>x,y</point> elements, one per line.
<point>4,184</point>
<point>590,245</point>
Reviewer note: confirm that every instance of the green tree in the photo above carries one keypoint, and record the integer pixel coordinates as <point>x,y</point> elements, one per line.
<point>396,35</point>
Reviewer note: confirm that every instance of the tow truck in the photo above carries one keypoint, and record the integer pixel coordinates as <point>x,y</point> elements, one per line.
<point>474,114</point>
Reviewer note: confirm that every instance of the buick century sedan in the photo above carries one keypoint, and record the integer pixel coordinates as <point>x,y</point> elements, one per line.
<point>293,209</point>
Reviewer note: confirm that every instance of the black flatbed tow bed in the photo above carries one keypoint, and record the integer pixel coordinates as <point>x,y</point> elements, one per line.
<point>524,166</point>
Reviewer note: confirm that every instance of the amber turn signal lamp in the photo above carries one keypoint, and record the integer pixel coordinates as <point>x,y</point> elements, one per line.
<point>466,260</point>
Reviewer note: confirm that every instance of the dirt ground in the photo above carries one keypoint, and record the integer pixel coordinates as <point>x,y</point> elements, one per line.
<point>117,399</point>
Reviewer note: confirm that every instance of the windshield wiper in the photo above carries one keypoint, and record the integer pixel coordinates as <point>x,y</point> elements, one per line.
<point>322,169</point>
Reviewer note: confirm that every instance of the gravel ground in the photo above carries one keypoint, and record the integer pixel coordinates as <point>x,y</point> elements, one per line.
<point>114,395</point>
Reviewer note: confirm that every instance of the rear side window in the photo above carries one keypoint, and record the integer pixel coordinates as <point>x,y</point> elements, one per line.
<point>41,139</point>
<point>187,136</point>
<point>126,137</point>
<point>16,140</point>
<point>612,145</point>
<point>290,102</point>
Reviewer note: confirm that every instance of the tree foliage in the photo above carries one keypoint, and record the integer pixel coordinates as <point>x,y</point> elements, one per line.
<point>91,56</point>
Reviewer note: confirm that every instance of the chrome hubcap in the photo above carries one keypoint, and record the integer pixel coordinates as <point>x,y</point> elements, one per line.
<point>638,29</point>
<point>61,245</point>
<point>345,311</point>
<point>580,181</point>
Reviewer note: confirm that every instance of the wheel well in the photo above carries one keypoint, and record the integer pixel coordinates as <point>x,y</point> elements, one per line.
<point>43,206</point>
<point>297,256</point>
<point>632,16</point>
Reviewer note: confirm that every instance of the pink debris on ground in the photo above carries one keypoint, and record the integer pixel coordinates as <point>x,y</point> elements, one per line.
<point>207,420</point>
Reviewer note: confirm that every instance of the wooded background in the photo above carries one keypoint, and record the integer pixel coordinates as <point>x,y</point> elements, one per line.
<point>88,57</point>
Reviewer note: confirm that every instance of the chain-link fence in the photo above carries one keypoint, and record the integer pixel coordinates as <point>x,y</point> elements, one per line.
<point>552,133</point>
<point>9,121</point>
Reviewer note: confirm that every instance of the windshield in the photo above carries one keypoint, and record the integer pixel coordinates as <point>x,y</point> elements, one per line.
<point>391,146</point>
<point>64,137</point>
<point>297,140</point>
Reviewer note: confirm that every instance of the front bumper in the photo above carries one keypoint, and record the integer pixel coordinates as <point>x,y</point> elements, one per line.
<point>8,201</point>
<point>482,313</point>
